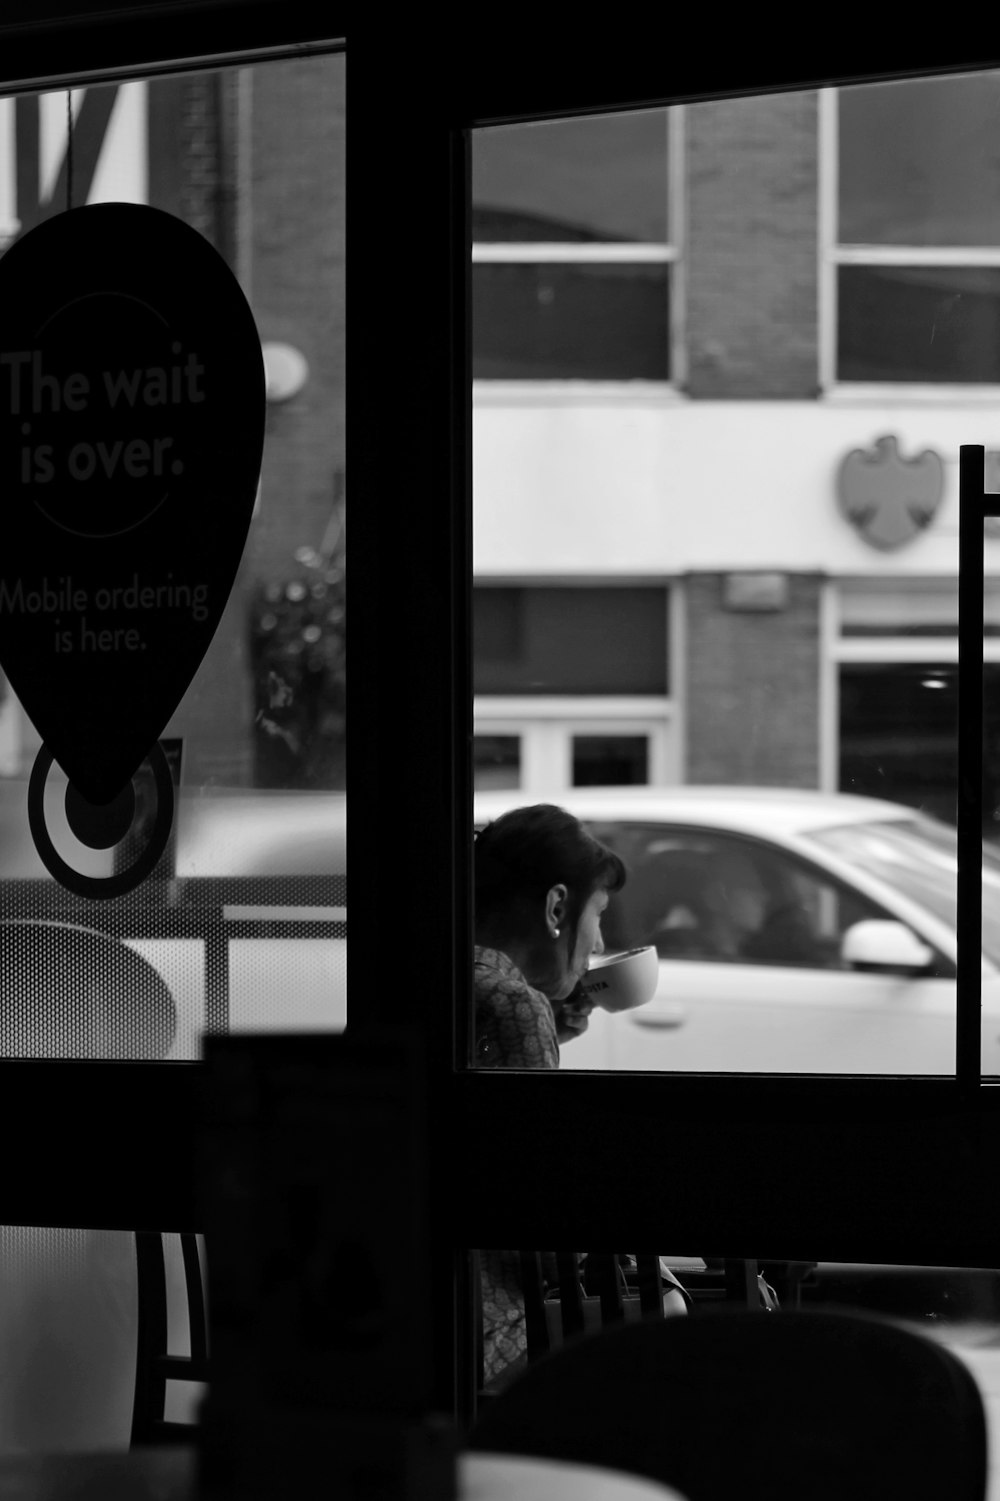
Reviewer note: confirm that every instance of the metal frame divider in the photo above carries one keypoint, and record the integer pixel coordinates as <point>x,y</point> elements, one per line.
<point>974,505</point>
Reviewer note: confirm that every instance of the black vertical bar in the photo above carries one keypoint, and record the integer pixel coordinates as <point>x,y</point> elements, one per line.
<point>570,1293</point>
<point>197,1323</point>
<point>605,1265</point>
<point>151,1337</point>
<point>969,926</point>
<point>741,1284</point>
<point>650,1280</point>
<point>26,147</point>
<point>469,1337</point>
<point>536,1326</point>
<point>83,149</point>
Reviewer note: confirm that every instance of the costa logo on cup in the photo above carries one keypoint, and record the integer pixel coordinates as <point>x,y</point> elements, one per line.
<point>620,982</point>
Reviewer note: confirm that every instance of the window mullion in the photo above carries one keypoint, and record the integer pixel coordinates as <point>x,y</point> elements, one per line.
<point>969,926</point>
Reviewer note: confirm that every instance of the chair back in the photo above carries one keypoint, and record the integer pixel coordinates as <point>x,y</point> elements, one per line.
<point>565,1298</point>
<point>587,1299</point>
<point>799,1406</point>
<point>172,1339</point>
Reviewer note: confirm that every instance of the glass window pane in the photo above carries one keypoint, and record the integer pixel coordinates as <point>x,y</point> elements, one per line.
<point>610,760</point>
<point>551,321</point>
<point>603,178</point>
<point>918,162</point>
<point>496,761</point>
<point>902,606</point>
<point>243,921</point>
<point>918,323</point>
<point>899,733</point>
<point>808,667</point>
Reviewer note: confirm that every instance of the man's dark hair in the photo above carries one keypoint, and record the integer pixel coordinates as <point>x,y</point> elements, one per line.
<point>524,853</point>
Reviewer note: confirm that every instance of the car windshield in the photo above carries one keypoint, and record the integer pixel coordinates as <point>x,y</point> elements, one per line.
<point>919,858</point>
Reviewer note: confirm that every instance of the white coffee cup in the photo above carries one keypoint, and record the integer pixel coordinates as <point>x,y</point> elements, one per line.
<point>619,982</point>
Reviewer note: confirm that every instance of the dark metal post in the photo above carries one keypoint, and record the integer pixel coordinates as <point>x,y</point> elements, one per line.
<point>969,926</point>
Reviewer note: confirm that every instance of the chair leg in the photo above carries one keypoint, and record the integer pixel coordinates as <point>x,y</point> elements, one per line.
<point>151,1336</point>
<point>197,1321</point>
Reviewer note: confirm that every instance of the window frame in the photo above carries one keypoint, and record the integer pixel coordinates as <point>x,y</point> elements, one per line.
<point>887,1169</point>
<point>546,727</point>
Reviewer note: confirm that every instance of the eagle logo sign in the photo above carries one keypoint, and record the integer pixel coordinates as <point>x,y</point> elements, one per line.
<point>887,498</point>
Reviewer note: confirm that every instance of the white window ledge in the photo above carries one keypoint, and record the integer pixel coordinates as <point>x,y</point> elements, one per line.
<point>629,393</point>
<point>910,394</point>
<point>489,706</point>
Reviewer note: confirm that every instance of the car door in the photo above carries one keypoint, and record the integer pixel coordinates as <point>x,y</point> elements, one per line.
<point>751,976</point>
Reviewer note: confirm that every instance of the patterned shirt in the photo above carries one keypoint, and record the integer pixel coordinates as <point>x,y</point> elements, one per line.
<point>515,1025</point>
<point>515,1028</point>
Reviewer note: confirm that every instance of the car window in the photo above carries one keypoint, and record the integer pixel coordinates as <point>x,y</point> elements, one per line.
<point>698,894</point>
<point>919,858</point>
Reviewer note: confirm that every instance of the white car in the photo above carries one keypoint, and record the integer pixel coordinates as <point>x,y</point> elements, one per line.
<point>797,931</point>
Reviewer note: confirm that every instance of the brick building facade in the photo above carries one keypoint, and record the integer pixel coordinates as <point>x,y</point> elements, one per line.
<point>758,669</point>
<point>751,285</point>
<point>828,269</point>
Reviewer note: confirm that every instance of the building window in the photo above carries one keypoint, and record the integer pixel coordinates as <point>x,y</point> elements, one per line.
<point>897,694</point>
<point>571,687</point>
<point>610,760</point>
<point>916,238</point>
<point>572,249</point>
<point>544,640</point>
<point>496,761</point>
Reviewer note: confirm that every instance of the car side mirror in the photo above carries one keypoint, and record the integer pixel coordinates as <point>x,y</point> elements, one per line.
<point>885,947</point>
